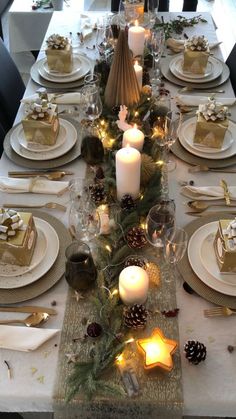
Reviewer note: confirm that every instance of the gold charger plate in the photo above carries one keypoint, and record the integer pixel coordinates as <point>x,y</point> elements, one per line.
<point>179,151</point>
<point>192,279</point>
<point>43,284</point>
<point>165,69</point>
<point>45,164</point>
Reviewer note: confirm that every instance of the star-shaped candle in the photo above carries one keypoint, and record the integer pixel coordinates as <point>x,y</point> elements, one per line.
<point>157,350</point>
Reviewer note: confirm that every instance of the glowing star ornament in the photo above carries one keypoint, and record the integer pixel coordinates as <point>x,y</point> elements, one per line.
<point>158,350</point>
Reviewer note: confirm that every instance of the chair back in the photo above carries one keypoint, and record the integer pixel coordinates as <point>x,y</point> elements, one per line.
<point>231,60</point>
<point>2,136</point>
<point>11,88</point>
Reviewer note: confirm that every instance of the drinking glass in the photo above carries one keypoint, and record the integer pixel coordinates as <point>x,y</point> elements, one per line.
<point>152,10</point>
<point>91,102</point>
<point>105,40</point>
<point>155,43</point>
<point>175,245</point>
<point>84,220</point>
<point>80,272</point>
<point>130,11</point>
<point>92,79</point>
<point>160,218</point>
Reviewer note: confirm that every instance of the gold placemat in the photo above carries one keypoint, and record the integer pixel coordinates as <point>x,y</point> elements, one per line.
<point>165,69</point>
<point>45,164</point>
<point>179,151</point>
<point>192,279</point>
<point>17,295</point>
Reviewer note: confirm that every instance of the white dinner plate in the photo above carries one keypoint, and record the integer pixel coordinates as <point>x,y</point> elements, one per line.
<point>84,69</point>
<point>71,137</point>
<point>208,257</point>
<point>75,68</point>
<point>215,66</point>
<point>195,261</point>
<point>186,134</point>
<point>43,266</point>
<point>38,255</point>
<point>39,148</point>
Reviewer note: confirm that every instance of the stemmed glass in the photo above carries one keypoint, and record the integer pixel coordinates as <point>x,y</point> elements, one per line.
<point>105,40</point>
<point>160,218</point>
<point>91,102</point>
<point>152,10</point>
<point>175,245</point>
<point>155,43</point>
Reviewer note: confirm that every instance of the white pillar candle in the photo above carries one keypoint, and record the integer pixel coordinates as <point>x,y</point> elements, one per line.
<point>133,137</point>
<point>136,38</point>
<point>133,285</point>
<point>139,74</point>
<point>128,167</point>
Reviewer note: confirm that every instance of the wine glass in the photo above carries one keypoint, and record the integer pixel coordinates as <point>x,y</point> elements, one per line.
<point>152,10</point>
<point>175,245</point>
<point>160,218</point>
<point>84,220</point>
<point>104,40</point>
<point>155,43</point>
<point>91,102</point>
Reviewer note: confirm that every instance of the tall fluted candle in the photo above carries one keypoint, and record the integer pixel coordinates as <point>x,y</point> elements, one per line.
<point>133,137</point>
<point>133,285</point>
<point>136,38</point>
<point>139,74</point>
<point>128,167</point>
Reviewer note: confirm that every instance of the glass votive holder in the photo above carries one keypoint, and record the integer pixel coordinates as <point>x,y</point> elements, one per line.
<point>81,272</point>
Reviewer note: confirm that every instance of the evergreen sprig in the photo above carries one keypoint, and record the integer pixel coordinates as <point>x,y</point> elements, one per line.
<point>178,25</point>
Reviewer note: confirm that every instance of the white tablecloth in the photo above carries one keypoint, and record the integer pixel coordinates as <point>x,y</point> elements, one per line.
<point>27,27</point>
<point>209,387</point>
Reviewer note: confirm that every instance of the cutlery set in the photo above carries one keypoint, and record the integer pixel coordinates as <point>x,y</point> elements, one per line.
<point>38,315</point>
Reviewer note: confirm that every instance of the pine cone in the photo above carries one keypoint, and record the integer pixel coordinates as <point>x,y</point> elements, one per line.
<point>127,202</point>
<point>153,272</point>
<point>135,317</point>
<point>97,193</point>
<point>136,238</point>
<point>135,261</point>
<point>195,351</point>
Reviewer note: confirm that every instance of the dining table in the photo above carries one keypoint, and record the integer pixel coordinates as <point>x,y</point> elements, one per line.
<point>208,388</point>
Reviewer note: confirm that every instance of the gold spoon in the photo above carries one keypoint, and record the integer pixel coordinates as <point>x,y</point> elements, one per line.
<point>34,319</point>
<point>204,168</point>
<point>200,206</point>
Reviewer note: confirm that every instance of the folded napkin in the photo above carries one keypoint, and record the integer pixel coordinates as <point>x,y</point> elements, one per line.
<point>85,26</point>
<point>191,100</point>
<point>72,98</point>
<point>35,185</point>
<point>207,192</point>
<point>23,338</point>
<point>177,45</point>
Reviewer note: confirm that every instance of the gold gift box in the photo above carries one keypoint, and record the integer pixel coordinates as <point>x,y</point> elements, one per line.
<point>60,60</point>
<point>195,61</point>
<point>42,131</point>
<point>19,249</point>
<point>225,254</point>
<point>134,11</point>
<point>210,133</point>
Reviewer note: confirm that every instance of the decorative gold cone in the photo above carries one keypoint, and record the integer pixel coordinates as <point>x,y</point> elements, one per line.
<point>122,86</point>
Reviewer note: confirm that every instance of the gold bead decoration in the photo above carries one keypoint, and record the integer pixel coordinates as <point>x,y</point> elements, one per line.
<point>148,168</point>
<point>154,273</point>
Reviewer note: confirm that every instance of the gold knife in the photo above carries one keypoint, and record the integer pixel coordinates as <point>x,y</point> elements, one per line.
<point>27,309</point>
<point>205,213</point>
<point>37,172</point>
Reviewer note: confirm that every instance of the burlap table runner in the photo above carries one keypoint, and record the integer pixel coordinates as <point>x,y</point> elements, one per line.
<point>161,392</point>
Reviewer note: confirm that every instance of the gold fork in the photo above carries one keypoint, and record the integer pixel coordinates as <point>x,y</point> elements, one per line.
<point>218,311</point>
<point>51,176</point>
<point>50,205</point>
